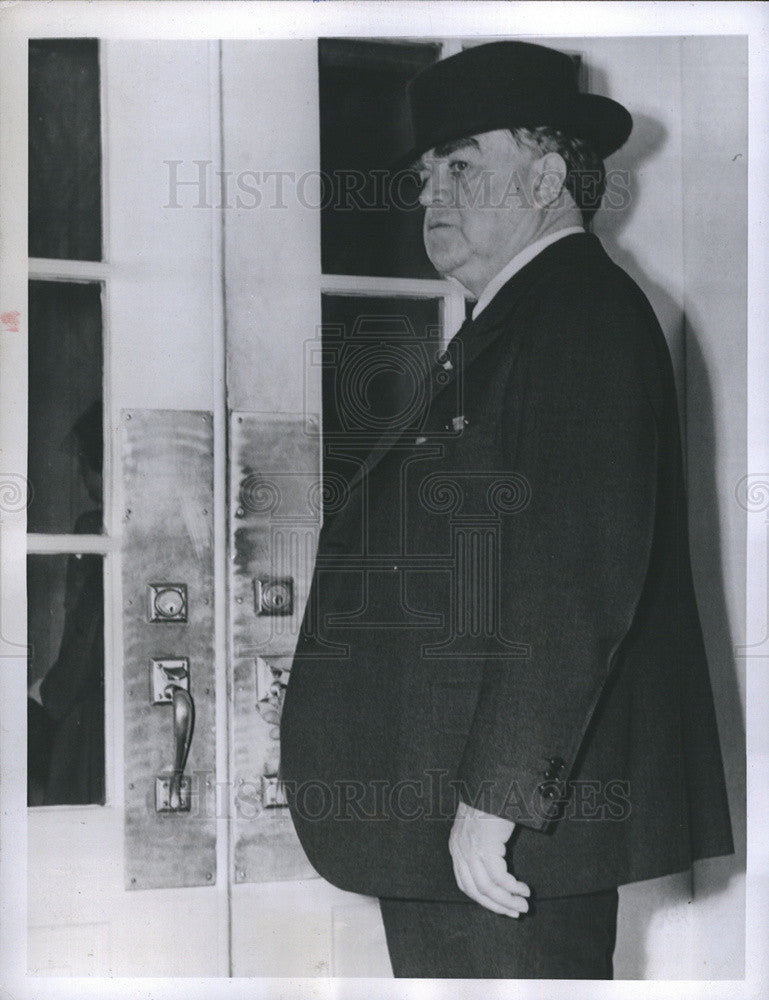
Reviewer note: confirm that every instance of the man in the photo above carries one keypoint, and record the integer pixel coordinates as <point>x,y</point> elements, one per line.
<point>500,707</point>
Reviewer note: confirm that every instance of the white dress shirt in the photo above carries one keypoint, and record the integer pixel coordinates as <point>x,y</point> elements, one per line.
<point>528,253</point>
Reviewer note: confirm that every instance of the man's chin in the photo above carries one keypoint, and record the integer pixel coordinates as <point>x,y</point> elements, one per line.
<point>443,260</point>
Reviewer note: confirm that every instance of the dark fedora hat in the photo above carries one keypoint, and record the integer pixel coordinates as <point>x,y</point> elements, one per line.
<point>508,85</point>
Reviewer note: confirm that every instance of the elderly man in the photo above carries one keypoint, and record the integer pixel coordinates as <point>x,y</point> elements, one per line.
<point>500,708</point>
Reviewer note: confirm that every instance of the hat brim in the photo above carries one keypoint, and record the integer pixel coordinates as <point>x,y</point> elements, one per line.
<point>603,123</point>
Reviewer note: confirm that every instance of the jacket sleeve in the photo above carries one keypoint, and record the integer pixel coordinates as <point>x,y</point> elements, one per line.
<point>582,431</point>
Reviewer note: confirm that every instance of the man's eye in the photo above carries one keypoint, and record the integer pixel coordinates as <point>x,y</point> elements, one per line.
<point>458,166</point>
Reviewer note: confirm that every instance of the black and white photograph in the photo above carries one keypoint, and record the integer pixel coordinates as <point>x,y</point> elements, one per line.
<point>384,499</point>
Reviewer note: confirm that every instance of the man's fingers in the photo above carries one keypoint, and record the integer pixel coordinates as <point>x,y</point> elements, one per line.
<point>497,869</point>
<point>461,875</point>
<point>477,846</point>
<point>467,885</point>
<point>464,878</point>
<point>491,892</point>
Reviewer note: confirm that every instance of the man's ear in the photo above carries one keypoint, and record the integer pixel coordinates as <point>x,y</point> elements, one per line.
<point>549,177</point>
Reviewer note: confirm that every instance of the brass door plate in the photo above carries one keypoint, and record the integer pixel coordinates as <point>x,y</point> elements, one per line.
<point>163,794</point>
<point>165,675</point>
<point>275,493</point>
<point>168,538</point>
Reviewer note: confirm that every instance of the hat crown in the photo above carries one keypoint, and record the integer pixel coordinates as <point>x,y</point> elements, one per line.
<point>508,84</point>
<point>517,67</point>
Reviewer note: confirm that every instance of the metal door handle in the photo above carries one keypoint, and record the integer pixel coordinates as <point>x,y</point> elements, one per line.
<point>184,723</point>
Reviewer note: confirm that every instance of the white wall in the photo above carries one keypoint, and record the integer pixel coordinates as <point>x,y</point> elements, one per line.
<point>715,313</point>
<point>684,239</point>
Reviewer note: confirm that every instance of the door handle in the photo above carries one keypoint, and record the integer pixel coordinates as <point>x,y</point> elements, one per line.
<point>173,795</point>
<point>184,723</point>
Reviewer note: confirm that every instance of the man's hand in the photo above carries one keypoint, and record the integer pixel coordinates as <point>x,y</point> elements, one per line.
<point>477,845</point>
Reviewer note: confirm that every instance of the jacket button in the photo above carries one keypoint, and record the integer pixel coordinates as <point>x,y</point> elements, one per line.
<point>547,791</point>
<point>554,769</point>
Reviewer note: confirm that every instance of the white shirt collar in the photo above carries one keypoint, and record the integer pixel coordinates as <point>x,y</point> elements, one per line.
<point>528,253</point>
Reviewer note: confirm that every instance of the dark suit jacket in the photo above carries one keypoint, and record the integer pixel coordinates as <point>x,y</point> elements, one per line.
<point>504,612</point>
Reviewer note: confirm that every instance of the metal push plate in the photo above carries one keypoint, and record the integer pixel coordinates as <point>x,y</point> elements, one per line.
<point>167,465</point>
<point>274,523</point>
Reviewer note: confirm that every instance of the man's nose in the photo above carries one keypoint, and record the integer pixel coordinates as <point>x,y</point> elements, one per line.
<point>436,189</point>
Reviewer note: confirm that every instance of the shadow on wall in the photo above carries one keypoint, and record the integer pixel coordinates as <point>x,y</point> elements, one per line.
<point>645,904</point>
<point>706,531</point>
<point>619,206</point>
<point>647,137</point>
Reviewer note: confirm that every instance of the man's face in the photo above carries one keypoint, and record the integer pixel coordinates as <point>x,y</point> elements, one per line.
<point>478,209</point>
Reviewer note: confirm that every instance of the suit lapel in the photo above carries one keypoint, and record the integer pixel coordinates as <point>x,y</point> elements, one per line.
<point>475,336</point>
<point>465,346</point>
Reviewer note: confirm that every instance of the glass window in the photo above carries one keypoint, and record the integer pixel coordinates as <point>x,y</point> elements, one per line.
<point>65,418</point>
<point>65,590</point>
<point>64,149</point>
<point>376,355</point>
<point>65,597</point>
<point>370,225</point>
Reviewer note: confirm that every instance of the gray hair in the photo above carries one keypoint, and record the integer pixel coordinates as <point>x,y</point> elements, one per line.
<point>585,171</point>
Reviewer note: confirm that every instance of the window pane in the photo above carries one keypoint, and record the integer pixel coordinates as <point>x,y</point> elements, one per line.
<point>65,598</point>
<point>366,226</point>
<point>64,149</point>
<point>376,353</point>
<point>65,421</point>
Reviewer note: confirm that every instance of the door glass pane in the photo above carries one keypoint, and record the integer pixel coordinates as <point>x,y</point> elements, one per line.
<point>65,417</point>
<point>66,679</point>
<point>376,354</point>
<point>64,149</point>
<point>369,223</point>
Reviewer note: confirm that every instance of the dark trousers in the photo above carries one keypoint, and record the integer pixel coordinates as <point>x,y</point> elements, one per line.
<point>567,938</point>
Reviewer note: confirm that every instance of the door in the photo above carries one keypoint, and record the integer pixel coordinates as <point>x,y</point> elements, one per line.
<point>124,323</point>
<point>127,333</point>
